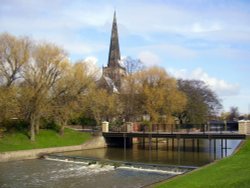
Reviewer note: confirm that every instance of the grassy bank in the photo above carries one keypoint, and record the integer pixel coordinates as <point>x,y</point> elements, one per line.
<point>233,171</point>
<point>45,139</point>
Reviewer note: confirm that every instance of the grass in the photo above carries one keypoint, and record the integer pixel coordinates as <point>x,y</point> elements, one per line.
<point>45,139</point>
<point>233,171</point>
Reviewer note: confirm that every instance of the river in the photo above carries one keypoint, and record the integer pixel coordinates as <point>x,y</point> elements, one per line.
<point>66,173</point>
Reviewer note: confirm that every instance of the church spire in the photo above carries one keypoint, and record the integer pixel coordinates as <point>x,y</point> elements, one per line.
<point>114,49</point>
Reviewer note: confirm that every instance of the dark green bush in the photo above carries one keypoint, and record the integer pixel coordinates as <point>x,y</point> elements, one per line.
<point>11,125</point>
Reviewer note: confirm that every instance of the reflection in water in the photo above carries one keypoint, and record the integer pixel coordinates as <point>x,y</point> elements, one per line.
<point>187,154</point>
<point>46,173</point>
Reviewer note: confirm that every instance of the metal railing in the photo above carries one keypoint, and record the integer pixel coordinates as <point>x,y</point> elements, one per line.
<point>175,128</point>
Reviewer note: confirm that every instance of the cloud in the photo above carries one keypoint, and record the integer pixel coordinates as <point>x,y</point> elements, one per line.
<point>93,68</point>
<point>221,87</point>
<point>177,51</point>
<point>148,52</point>
<point>199,28</point>
<point>190,21</point>
<point>242,101</point>
<point>230,53</point>
<point>149,58</point>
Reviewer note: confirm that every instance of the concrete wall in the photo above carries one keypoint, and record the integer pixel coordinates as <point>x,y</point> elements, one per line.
<point>96,142</point>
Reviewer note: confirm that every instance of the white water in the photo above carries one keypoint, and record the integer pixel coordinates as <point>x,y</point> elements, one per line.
<point>150,170</point>
<point>96,168</point>
<point>65,160</point>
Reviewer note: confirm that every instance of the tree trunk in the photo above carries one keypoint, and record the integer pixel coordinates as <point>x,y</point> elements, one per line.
<point>37,127</point>
<point>32,129</point>
<point>62,128</point>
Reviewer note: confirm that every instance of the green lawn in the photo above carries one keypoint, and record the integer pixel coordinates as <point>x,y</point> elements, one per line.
<point>233,171</point>
<point>45,139</point>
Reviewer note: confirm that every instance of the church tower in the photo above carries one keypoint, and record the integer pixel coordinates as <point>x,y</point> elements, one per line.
<point>114,72</point>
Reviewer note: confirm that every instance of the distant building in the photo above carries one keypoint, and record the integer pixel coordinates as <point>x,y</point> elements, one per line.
<point>114,72</point>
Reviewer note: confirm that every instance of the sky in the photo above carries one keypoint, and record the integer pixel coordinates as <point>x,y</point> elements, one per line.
<point>192,39</point>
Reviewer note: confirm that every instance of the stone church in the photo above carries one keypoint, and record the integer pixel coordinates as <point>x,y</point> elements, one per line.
<point>114,72</point>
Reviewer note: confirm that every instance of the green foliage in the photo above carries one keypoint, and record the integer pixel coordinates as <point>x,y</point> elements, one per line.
<point>202,102</point>
<point>116,123</point>
<point>83,121</point>
<point>147,125</point>
<point>49,124</point>
<point>45,139</point>
<point>11,125</point>
<point>229,172</point>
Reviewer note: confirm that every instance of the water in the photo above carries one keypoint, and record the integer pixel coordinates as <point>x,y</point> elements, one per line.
<point>46,173</point>
<point>181,156</point>
<point>64,174</point>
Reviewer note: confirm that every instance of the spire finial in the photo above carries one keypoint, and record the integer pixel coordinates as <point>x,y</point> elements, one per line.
<point>114,18</point>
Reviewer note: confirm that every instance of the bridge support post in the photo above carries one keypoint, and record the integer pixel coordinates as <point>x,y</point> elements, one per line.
<point>150,141</point>
<point>167,142</point>
<point>156,143</point>
<point>124,146</point>
<point>193,144</point>
<point>226,147</point>
<point>172,144</point>
<point>184,144</point>
<point>209,148</point>
<point>221,145</point>
<point>178,150</point>
<point>198,145</point>
<point>214,149</point>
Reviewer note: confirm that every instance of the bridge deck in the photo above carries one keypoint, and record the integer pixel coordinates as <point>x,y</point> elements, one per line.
<point>180,135</point>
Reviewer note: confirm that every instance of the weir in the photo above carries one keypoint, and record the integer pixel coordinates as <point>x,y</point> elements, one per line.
<point>125,165</point>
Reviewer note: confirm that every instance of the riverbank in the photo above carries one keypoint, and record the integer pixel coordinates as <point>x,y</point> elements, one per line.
<point>94,143</point>
<point>45,139</point>
<point>232,171</point>
<point>17,146</point>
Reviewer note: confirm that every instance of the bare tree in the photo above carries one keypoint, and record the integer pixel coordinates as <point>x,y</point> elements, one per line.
<point>132,65</point>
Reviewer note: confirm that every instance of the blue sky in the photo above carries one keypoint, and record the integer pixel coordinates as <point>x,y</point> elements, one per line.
<point>191,39</point>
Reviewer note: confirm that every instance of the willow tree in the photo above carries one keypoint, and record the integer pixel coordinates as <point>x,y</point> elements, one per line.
<point>161,97</point>
<point>39,76</point>
<point>102,105</point>
<point>14,54</point>
<point>70,91</point>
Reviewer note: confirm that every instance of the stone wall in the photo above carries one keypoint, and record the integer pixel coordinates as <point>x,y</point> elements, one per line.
<point>96,142</point>
<point>244,127</point>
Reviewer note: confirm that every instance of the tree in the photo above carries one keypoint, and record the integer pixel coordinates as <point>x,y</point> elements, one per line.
<point>133,65</point>
<point>102,104</point>
<point>233,114</point>
<point>69,92</point>
<point>14,54</point>
<point>160,94</point>
<point>8,104</point>
<point>131,98</point>
<point>40,75</point>
<point>202,102</point>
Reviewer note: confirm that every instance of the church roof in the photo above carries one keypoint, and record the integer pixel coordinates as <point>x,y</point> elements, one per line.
<point>114,49</point>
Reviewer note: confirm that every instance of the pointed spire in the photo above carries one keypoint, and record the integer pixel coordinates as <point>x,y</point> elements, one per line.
<point>114,49</point>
